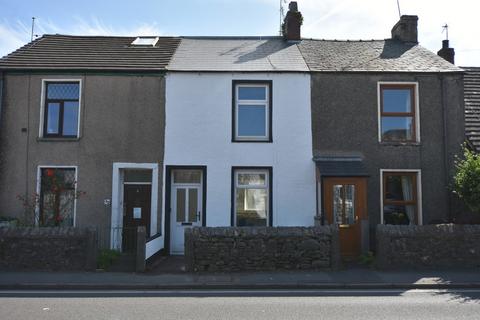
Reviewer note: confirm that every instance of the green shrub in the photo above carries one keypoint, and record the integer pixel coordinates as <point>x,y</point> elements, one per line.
<point>466,184</point>
<point>106,258</point>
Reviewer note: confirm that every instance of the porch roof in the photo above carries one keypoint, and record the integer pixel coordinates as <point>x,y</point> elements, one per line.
<point>341,166</point>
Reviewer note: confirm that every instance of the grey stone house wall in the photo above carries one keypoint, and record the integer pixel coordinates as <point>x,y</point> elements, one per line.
<point>122,120</point>
<point>345,121</point>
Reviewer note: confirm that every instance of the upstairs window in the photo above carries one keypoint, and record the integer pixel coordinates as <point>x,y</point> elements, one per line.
<point>252,110</point>
<point>61,112</point>
<point>398,119</point>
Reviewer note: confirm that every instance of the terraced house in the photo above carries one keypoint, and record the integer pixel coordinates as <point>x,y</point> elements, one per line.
<point>173,133</point>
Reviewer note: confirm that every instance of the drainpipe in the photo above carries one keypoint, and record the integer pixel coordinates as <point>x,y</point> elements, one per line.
<point>2,81</point>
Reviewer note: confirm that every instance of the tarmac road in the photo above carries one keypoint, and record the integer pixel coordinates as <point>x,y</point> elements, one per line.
<point>241,304</point>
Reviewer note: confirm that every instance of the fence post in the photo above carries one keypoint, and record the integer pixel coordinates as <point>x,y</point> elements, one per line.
<point>140,250</point>
<point>91,263</point>
<point>335,258</point>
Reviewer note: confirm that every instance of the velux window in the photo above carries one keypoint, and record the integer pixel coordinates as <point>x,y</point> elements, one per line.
<point>398,117</point>
<point>252,194</point>
<point>252,104</point>
<point>61,109</point>
<point>57,196</point>
<point>400,198</point>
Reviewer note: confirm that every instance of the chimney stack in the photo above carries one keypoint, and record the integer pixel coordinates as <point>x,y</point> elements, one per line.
<point>446,52</point>
<point>292,23</point>
<point>406,29</point>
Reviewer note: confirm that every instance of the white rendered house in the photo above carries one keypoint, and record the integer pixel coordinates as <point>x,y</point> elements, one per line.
<point>238,144</point>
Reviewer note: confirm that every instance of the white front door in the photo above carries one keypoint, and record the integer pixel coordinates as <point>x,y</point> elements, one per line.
<point>186,213</point>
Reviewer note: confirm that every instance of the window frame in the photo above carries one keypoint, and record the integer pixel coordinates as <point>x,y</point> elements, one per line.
<point>268,84</point>
<point>44,109</point>
<point>414,113</point>
<point>39,190</point>
<point>268,186</point>
<point>417,188</point>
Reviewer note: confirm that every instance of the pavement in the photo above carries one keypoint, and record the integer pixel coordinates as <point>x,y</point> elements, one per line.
<point>351,278</point>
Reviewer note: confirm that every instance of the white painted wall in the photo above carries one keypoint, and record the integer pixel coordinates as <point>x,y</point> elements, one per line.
<point>198,132</point>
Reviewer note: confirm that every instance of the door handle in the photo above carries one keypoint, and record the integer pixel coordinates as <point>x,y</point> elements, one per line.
<point>198,216</point>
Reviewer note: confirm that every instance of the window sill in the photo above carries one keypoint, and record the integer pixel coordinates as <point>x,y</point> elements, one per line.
<point>58,139</point>
<point>254,141</point>
<point>401,144</point>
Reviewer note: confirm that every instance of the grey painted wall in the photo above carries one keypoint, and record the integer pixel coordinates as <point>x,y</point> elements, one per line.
<point>122,120</point>
<point>345,120</point>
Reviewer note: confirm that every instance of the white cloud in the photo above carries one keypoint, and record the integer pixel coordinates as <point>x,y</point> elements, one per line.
<point>12,37</point>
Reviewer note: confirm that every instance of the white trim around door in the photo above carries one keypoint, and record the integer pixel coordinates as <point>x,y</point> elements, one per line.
<point>117,197</point>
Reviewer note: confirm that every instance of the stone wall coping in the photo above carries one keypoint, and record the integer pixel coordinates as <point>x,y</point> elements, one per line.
<point>255,231</point>
<point>42,232</point>
<point>426,230</point>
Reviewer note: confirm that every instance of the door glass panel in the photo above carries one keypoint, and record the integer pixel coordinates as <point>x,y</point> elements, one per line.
<point>349,204</point>
<point>344,204</point>
<point>338,203</point>
<point>187,176</point>
<point>180,205</point>
<point>137,175</point>
<point>192,205</point>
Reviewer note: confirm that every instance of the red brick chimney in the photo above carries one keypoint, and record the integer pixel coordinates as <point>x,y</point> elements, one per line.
<point>406,29</point>
<point>292,23</point>
<point>446,52</point>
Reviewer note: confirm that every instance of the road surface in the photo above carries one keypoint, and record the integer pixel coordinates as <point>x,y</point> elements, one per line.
<point>241,304</point>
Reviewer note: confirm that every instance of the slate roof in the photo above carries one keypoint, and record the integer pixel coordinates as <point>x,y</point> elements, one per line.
<point>237,54</point>
<point>336,166</point>
<point>54,52</point>
<point>371,56</point>
<point>472,105</point>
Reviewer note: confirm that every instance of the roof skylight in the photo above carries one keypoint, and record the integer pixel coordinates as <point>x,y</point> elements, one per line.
<point>145,41</point>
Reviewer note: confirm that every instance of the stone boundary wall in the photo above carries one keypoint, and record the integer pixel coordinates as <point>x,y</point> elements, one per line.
<point>429,246</point>
<point>54,248</point>
<point>261,248</point>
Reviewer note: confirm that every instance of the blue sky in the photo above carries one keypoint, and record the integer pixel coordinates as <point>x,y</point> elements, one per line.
<point>324,19</point>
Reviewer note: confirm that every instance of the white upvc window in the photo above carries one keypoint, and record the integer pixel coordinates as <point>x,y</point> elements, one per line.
<point>251,197</point>
<point>252,111</point>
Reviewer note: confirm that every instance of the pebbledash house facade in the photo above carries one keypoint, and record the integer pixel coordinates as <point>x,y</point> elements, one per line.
<point>177,132</point>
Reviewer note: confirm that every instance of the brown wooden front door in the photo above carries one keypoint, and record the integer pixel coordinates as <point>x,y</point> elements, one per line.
<point>136,203</point>
<point>345,202</point>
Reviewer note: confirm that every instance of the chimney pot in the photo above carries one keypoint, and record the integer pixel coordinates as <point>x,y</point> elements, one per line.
<point>446,52</point>
<point>406,29</point>
<point>292,23</point>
